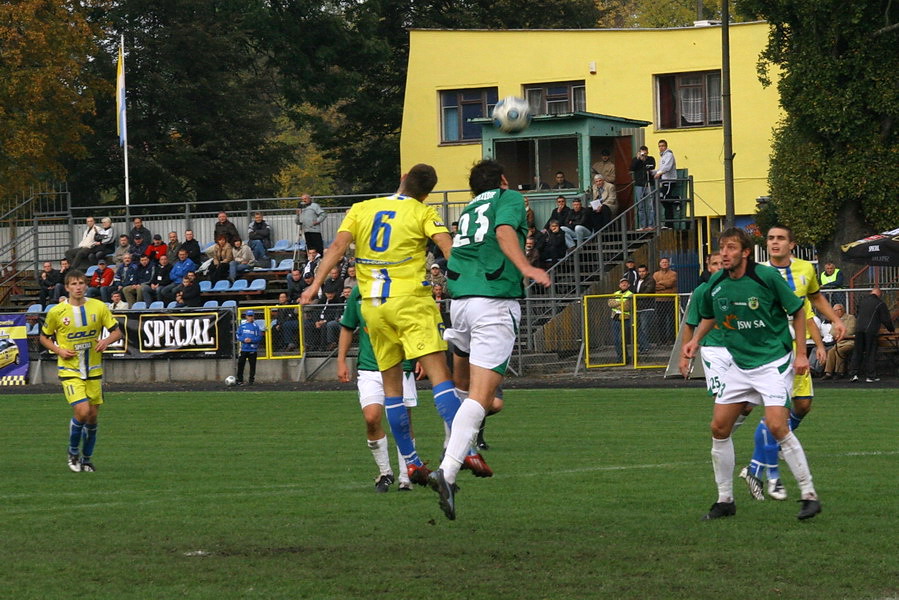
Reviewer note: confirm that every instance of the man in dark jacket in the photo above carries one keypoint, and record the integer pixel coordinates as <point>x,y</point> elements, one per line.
<point>224,227</point>
<point>872,314</point>
<point>260,237</point>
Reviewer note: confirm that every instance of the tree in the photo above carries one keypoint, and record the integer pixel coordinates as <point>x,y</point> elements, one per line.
<point>45,87</point>
<point>836,152</point>
<point>202,106</point>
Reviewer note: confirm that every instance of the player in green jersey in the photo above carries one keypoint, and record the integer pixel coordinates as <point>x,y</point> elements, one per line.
<point>485,276</point>
<point>749,303</point>
<point>73,330</point>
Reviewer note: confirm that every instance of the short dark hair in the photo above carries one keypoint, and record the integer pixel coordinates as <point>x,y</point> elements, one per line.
<point>642,266</point>
<point>644,148</point>
<point>739,234</point>
<point>420,180</point>
<point>74,274</point>
<point>485,175</point>
<point>789,231</point>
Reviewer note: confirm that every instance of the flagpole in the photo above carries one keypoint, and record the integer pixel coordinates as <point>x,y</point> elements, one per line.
<point>121,119</point>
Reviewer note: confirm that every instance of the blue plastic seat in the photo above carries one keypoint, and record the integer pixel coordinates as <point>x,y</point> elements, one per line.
<point>229,304</point>
<point>205,286</point>
<point>172,304</point>
<point>240,285</point>
<point>35,308</point>
<point>211,304</point>
<point>222,285</point>
<point>90,270</point>
<point>258,285</point>
<point>139,305</point>
<point>159,304</point>
<point>281,246</point>
<point>285,265</point>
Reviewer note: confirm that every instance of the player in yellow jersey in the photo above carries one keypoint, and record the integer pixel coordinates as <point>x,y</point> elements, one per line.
<point>801,277</point>
<point>73,330</point>
<point>391,235</point>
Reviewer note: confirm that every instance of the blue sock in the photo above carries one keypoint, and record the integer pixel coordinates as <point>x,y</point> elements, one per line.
<point>90,439</point>
<point>398,417</point>
<point>795,420</point>
<point>760,453</point>
<point>446,401</point>
<point>75,430</point>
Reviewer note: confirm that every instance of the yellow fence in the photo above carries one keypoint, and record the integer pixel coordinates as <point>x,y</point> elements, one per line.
<point>284,335</point>
<point>643,338</point>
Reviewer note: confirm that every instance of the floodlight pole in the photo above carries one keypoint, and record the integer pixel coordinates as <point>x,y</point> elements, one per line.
<point>726,116</point>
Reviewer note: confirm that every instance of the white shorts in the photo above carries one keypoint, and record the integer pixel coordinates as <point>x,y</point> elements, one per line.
<point>716,360</point>
<point>485,329</point>
<point>769,385</point>
<point>371,389</point>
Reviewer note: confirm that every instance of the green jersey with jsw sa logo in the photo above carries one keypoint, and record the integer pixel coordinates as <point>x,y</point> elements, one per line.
<point>752,314</point>
<point>78,328</point>
<point>477,265</point>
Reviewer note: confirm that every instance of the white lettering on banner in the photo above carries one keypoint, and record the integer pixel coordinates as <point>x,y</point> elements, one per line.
<point>173,334</point>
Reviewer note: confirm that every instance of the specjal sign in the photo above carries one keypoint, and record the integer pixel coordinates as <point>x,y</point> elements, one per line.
<point>199,334</point>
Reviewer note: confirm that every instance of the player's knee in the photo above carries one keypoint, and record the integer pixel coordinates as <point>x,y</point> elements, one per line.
<point>720,429</point>
<point>778,429</point>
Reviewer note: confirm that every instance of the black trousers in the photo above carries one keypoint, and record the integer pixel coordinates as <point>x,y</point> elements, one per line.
<point>865,355</point>
<point>314,240</point>
<point>242,361</point>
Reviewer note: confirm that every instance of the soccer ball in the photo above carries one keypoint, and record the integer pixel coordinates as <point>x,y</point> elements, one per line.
<point>230,380</point>
<point>511,114</point>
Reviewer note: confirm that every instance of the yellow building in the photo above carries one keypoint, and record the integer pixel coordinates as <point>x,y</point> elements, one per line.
<point>668,77</point>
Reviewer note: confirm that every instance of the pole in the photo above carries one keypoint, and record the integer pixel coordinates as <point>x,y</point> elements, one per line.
<point>726,116</point>
<point>123,121</point>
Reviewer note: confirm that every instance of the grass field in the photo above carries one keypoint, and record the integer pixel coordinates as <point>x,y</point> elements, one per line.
<point>598,494</point>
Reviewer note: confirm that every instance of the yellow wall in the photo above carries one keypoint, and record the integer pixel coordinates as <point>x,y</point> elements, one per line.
<point>626,62</point>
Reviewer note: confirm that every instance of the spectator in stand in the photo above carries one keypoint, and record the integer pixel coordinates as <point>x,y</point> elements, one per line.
<point>603,201</point>
<point>191,295</point>
<point>577,227</point>
<point>138,247</point>
<point>313,259</point>
<point>182,267</point>
<point>561,183</point>
<point>286,332</point>
<point>443,303</point>
<point>101,282</point>
<point>605,166</point>
<point>310,217</point>
<point>243,261</point>
<point>621,304</point>
<point>666,283</point>
<point>350,280</point>
<point>259,236</point>
<point>192,246</point>
<point>224,227</point>
<point>138,228</point>
<point>63,270</point>
<point>630,272</point>
<point>322,326</point>
<point>555,246</point>
<point>179,299</point>
<point>532,254</point>
<point>121,250</point>
<point>295,285</point>
<point>156,249</point>
<point>117,303</point>
<point>222,257</point>
<point>333,282</point>
<point>559,213</point>
<point>667,176</point>
<point>531,217</point>
<point>124,273</point>
<point>307,281</point>
<point>172,247</point>
<point>79,256</point>
<point>838,356</point>
<point>642,166</point>
<point>143,275</point>
<point>105,239</point>
<point>872,315</point>
<point>832,279</point>
<point>50,282</point>
<point>646,307</point>
<point>162,276</point>
<point>436,277</point>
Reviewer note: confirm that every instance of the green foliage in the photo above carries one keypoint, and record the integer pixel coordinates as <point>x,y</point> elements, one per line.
<point>46,87</point>
<point>249,494</point>
<point>837,151</point>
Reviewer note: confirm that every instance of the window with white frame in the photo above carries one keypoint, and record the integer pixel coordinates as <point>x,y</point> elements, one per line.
<point>688,100</point>
<point>556,98</point>
<point>458,106</point>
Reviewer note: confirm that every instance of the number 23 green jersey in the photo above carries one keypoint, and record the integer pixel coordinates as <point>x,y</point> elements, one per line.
<point>477,265</point>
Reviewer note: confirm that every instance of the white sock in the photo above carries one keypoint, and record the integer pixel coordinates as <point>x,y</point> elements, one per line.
<point>403,469</point>
<point>737,423</point>
<point>465,428</point>
<point>446,433</point>
<point>379,450</point>
<point>723,460</point>
<point>794,456</point>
